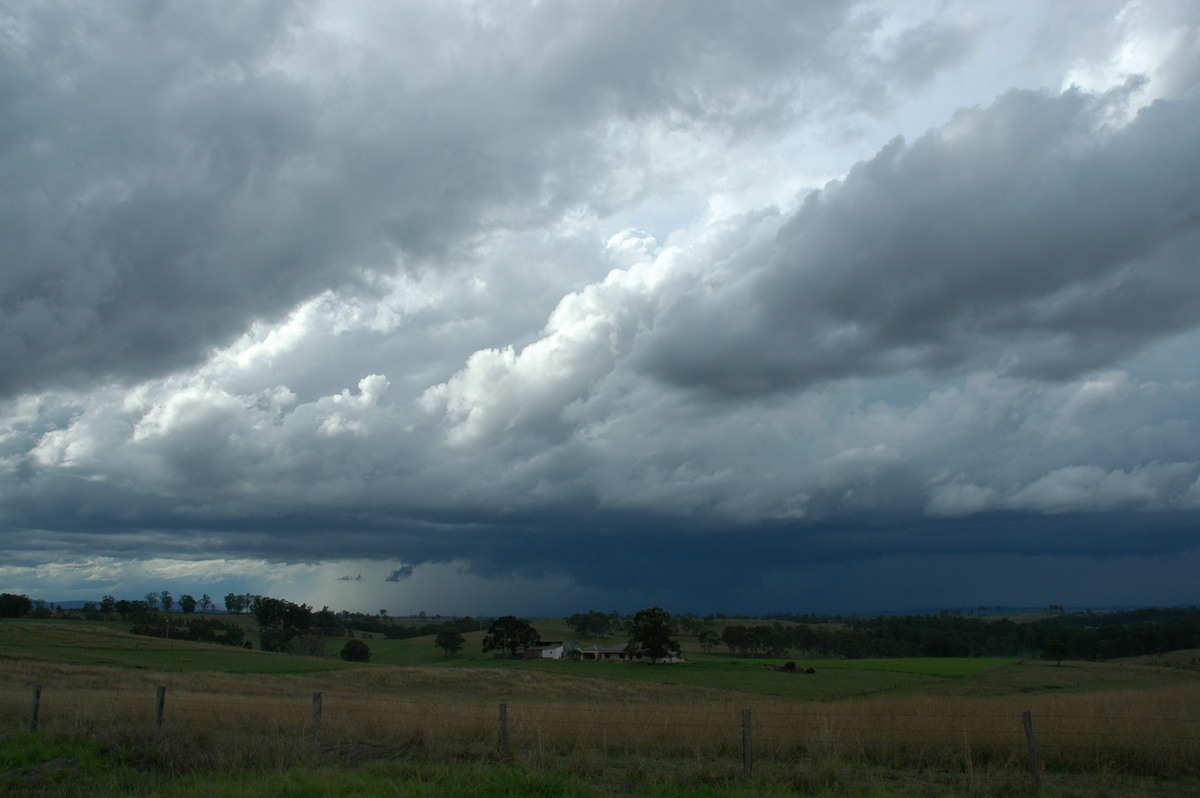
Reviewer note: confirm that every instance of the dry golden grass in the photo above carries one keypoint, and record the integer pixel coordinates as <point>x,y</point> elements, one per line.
<point>227,719</point>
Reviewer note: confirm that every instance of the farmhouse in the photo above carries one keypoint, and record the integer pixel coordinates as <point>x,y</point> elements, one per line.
<point>552,650</point>
<point>616,653</point>
<point>619,652</point>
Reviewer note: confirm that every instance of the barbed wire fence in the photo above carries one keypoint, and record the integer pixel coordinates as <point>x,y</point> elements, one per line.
<point>387,722</point>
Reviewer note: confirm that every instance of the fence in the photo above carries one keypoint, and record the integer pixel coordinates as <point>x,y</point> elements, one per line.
<point>388,722</point>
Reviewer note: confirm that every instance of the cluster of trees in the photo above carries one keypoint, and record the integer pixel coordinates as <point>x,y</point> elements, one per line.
<point>1069,635</point>
<point>649,631</point>
<point>187,602</point>
<point>283,625</point>
<point>200,630</point>
<point>394,630</point>
<point>297,628</point>
<point>237,603</point>
<point>13,605</point>
<point>594,623</point>
<point>286,626</point>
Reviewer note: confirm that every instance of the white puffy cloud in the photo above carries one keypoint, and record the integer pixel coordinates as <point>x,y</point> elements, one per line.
<point>1091,488</point>
<point>528,297</point>
<point>175,173</point>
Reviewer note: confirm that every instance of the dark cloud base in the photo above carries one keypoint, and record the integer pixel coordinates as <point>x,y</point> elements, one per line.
<point>794,567</point>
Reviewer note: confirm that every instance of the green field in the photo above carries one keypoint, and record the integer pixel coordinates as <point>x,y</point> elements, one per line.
<point>416,722</point>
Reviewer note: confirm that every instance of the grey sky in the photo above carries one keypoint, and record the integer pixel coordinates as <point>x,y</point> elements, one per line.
<point>525,307</point>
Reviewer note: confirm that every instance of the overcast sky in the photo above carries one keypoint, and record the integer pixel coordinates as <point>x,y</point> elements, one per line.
<point>508,307</point>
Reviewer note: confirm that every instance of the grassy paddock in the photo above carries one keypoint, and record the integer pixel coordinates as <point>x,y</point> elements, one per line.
<point>598,722</point>
<point>236,720</point>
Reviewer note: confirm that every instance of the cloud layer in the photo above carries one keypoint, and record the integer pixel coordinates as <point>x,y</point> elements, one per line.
<point>568,296</point>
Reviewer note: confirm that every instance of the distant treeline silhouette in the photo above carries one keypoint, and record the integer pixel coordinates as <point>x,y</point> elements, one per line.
<point>286,626</point>
<point>1085,635</point>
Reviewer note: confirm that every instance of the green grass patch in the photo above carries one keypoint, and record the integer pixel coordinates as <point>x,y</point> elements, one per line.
<point>922,666</point>
<point>33,766</point>
<point>109,645</point>
<point>741,676</point>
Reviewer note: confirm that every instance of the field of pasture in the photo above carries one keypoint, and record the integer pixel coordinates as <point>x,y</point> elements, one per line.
<point>163,717</point>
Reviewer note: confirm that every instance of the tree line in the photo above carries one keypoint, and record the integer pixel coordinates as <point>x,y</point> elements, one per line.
<point>1091,636</point>
<point>297,628</point>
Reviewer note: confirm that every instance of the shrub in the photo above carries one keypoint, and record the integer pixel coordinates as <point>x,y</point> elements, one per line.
<point>356,651</point>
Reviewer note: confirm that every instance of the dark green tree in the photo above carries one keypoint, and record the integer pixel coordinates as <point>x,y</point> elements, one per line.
<point>651,633</point>
<point>187,603</point>
<point>509,634</point>
<point>592,623</point>
<point>738,638</point>
<point>449,640</point>
<point>107,605</point>
<point>14,605</point>
<point>279,621</point>
<point>356,651</point>
<point>234,603</point>
<point>326,623</point>
<point>1056,651</point>
<point>206,603</point>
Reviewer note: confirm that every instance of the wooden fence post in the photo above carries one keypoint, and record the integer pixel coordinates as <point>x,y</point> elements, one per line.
<point>504,730</point>
<point>316,716</point>
<point>747,757</point>
<point>1035,770</point>
<point>35,704</point>
<point>160,700</point>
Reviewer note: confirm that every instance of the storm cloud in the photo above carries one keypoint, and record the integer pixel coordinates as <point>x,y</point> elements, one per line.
<point>601,303</point>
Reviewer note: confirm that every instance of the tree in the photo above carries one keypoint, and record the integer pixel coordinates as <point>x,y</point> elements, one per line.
<point>738,638</point>
<point>281,613</point>
<point>707,639</point>
<point>1056,651</point>
<point>206,603</point>
<point>187,603</point>
<point>651,632</point>
<point>152,600</point>
<point>107,605</point>
<point>449,640</point>
<point>326,623</point>
<point>356,651</point>
<point>508,634</point>
<point>14,605</point>
<point>592,623</point>
<point>234,603</point>
<point>280,621</point>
